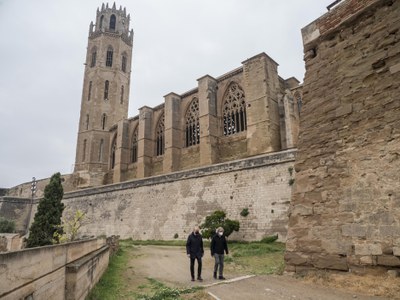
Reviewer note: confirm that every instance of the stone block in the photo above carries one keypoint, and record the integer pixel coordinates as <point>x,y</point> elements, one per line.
<point>393,273</point>
<point>335,262</point>
<point>366,260</point>
<point>396,251</point>
<point>293,258</point>
<point>354,230</point>
<point>394,69</point>
<point>302,210</point>
<point>368,249</point>
<point>388,260</point>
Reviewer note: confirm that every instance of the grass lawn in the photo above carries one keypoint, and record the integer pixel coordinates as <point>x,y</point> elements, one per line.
<point>249,258</point>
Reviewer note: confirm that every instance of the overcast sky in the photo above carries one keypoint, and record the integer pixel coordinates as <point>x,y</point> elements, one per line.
<point>43,48</point>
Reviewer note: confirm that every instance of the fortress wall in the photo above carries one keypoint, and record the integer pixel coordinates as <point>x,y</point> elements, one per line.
<point>345,208</point>
<point>162,206</point>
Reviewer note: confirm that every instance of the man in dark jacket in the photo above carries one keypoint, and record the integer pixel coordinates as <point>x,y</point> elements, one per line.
<point>194,250</point>
<point>218,246</point>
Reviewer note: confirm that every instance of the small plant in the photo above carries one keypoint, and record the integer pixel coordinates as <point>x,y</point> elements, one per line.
<point>291,181</point>
<point>269,239</point>
<point>176,236</point>
<point>68,230</point>
<point>290,169</point>
<point>7,226</point>
<point>244,212</point>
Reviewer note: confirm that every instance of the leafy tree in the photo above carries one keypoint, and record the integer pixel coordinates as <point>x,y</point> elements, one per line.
<point>215,220</point>
<point>69,228</point>
<point>48,216</point>
<point>7,226</point>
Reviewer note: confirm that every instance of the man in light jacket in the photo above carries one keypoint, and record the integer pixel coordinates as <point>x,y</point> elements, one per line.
<point>218,246</point>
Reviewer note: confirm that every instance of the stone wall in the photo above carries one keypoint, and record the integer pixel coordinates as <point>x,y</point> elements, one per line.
<point>162,206</point>
<point>345,209</point>
<point>51,272</point>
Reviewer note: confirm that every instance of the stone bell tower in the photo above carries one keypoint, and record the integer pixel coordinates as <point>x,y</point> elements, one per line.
<point>105,94</point>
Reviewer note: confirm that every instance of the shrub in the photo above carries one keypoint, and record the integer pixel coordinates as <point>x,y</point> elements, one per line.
<point>215,220</point>
<point>244,212</point>
<point>269,239</point>
<point>7,226</point>
<point>176,236</point>
<point>291,181</point>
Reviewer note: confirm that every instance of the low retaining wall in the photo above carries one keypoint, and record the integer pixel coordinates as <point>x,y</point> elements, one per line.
<point>44,272</point>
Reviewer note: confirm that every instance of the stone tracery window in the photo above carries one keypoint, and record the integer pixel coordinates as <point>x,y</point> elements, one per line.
<point>234,110</point>
<point>160,139</point>
<point>109,57</point>
<point>134,151</point>
<point>192,124</point>
<point>113,20</point>
<point>299,101</point>
<point>93,57</point>
<point>123,62</point>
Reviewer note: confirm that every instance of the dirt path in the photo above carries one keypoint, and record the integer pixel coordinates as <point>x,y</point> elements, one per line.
<point>171,266</point>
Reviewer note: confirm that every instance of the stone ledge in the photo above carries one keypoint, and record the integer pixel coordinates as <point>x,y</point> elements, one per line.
<point>74,267</point>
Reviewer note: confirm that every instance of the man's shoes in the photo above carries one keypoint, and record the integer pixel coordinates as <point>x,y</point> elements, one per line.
<point>215,275</point>
<point>199,279</point>
<point>221,278</point>
<point>192,278</point>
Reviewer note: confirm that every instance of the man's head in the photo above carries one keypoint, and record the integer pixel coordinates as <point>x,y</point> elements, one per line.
<point>196,229</point>
<point>220,231</point>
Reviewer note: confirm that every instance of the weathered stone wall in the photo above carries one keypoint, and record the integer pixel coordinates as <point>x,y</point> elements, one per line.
<point>345,208</point>
<point>159,207</point>
<point>43,272</point>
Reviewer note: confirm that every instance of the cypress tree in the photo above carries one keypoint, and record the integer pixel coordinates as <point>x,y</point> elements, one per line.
<point>48,216</point>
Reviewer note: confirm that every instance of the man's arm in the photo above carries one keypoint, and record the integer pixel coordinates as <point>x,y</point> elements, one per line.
<point>188,244</point>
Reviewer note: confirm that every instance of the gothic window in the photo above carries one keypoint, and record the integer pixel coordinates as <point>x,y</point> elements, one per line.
<point>84,150</point>
<point>299,101</point>
<point>123,63</point>
<point>234,110</point>
<point>101,22</point>
<point>112,22</point>
<point>89,91</point>
<point>192,124</point>
<point>101,150</point>
<point>160,140</point>
<point>106,89</point>
<point>103,121</point>
<point>87,122</point>
<point>134,153</point>
<point>121,100</point>
<point>113,150</point>
<point>109,57</point>
<point>93,58</point>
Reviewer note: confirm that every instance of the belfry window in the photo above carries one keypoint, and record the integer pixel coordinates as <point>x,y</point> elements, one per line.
<point>93,58</point>
<point>113,20</point>
<point>89,91</point>
<point>134,153</point>
<point>103,121</point>
<point>160,139</point>
<point>106,89</point>
<point>109,57</point>
<point>192,124</point>
<point>234,110</point>
<point>121,100</point>
<point>113,150</point>
<point>123,63</point>
<point>101,22</point>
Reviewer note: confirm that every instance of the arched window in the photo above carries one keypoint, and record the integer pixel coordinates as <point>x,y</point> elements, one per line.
<point>89,91</point>
<point>160,140</point>
<point>134,153</point>
<point>109,57</point>
<point>106,89</point>
<point>113,150</point>
<point>101,22</point>
<point>84,150</point>
<point>101,150</point>
<point>103,121</point>
<point>93,57</point>
<point>121,100</point>
<point>299,101</point>
<point>192,124</point>
<point>113,20</point>
<point>123,62</point>
<point>234,110</point>
<point>87,122</point>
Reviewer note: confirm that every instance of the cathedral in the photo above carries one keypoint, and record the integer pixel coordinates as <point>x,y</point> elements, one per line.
<point>245,112</point>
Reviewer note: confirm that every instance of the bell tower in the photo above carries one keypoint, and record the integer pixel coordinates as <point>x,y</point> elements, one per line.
<point>105,93</point>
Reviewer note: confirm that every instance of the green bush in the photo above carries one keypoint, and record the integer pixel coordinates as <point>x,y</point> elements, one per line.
<point>217,219</point>
<point>269,239</point>
<point>244,212</point>
<point>6,226</point>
